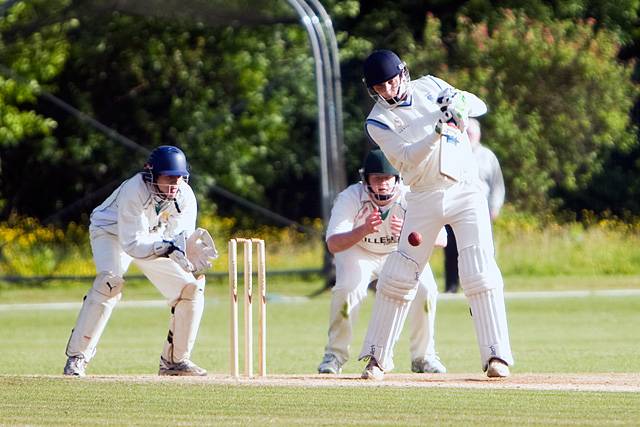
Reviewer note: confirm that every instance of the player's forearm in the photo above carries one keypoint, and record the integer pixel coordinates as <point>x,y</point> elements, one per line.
<point>139,249</point>
<point>343,241</point>
<point>134,241</point>
<point>409,154</point>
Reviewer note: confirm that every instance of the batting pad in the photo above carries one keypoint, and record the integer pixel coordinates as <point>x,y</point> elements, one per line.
<point>482,283</point>
<point>184,323</point>
<point>94,315</point>
<point>384,330</point>
<point>399,277</point>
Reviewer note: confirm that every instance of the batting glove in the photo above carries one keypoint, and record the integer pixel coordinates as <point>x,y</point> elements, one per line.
<point>455,107</point>
<point>445,97</point>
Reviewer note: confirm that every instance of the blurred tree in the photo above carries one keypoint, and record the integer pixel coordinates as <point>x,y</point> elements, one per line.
<point>559,101</point>
<point>240,99</point>
<point>36,50</point>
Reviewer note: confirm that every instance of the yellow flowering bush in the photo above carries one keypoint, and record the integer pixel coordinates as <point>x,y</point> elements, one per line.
<point>28,248</point>
<point>525,246</point>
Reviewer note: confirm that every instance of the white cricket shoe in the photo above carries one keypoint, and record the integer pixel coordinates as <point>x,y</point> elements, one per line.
<point>330,365</point>
<point>372,371</point>
<point>75,366</point>
<point>185,368</point>
<point>429,365</point>
<point>497,369</point>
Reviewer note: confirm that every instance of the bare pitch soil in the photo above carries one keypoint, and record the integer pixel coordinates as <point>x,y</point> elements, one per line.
<point>604,382</point>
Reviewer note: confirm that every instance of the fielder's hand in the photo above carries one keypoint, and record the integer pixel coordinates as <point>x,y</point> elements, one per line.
<point>201,250</point>
<point>372,222</point>
<point>396,226</point>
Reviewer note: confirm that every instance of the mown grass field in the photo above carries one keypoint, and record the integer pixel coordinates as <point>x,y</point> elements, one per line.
<point>584,333</point>
<point>575,334</point>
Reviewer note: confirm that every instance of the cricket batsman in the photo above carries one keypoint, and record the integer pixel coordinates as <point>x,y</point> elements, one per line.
<point>149,220</point>
<point>365,224</point>
<point>420,127</point>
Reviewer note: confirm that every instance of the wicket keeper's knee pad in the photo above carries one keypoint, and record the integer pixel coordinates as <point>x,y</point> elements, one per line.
<point>194,290</point>
<point>107,288</point>
<point>399,277</point>
<point>478,270</point>
<point>107,284</point>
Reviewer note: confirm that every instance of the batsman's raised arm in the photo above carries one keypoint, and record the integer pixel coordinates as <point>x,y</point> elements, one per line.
<point>400,151</point>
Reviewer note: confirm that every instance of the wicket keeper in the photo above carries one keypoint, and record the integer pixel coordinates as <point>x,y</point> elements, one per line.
<point>149,220</point>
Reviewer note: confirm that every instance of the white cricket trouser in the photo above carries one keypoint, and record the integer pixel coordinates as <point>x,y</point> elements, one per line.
<point>463,207</point>
<point>355,269</point>
<point>167,276</point>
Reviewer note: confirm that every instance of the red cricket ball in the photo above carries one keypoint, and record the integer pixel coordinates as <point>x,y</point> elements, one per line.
<point>414,238</point>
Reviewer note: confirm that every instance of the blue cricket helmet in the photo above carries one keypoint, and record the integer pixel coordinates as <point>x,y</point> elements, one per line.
<point>169,161</point>
<point>380,66</point>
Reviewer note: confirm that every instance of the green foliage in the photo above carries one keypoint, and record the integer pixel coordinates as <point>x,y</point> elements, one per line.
<point>581,335</point>
<point>558,101</point>
<point>528,246</point>
<point>225,95</point>
<point>240,99</point>
<point>29,249</point>
<point>620,17</point>
<point>38,58</point>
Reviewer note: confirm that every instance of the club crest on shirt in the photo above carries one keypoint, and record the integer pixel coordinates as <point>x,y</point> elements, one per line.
<point>164,216</point>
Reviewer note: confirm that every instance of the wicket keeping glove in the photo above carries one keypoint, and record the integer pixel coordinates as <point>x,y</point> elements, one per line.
<point>201,249</point>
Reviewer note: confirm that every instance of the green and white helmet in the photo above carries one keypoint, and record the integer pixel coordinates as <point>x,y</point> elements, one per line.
<point>377,164</point>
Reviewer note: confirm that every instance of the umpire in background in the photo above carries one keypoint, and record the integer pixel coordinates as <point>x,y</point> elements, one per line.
<point>492,184</point>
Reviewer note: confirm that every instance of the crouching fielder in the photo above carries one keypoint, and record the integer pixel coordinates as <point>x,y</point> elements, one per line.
<point>363,230</point>
<point>149,220</point>
<point>419,125</point>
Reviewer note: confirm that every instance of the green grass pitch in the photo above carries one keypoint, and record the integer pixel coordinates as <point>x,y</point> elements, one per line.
<point>563,335</point>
